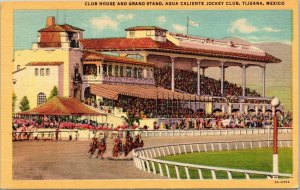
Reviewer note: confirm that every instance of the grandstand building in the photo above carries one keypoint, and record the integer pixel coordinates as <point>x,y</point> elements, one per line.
<point>151,70</point>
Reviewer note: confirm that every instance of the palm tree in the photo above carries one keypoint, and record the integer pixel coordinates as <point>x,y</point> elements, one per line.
<point>131,119</point>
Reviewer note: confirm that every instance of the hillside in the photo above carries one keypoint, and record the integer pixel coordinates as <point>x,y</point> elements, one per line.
<point>278,76</point>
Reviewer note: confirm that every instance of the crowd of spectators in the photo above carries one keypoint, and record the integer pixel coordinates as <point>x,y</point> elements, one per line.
<point>187,81</point>
<point>235,120</point>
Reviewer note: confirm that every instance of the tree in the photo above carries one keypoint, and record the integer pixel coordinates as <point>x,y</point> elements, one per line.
<point>53,93</point>
<point>24,104</point>
<point>131,118</point>
<point>14,100</point>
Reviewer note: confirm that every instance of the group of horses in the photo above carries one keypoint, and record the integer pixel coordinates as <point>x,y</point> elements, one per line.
<point>95,144</point>
<point>120,147</point>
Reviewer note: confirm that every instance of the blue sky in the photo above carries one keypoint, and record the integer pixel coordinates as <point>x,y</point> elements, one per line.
<point>254,26</point>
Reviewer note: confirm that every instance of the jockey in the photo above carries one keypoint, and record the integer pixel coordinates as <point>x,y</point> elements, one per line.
<point>93,145</point>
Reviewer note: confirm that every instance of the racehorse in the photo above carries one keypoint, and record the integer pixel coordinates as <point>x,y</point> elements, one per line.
<point>93,147</point>
<point>138,143</point>
<point>101,148</point>
<point>128,144</point>
<point>117,147</point>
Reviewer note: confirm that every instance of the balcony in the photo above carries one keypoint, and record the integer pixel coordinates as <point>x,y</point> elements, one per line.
<point>66,45</point>
<point>127,80</point>
<point>91,78</point>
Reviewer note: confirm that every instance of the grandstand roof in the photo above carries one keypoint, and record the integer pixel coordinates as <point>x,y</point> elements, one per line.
<point>144,28</point>
<point>113,91</point>
<point>61,106</point>
<point>132,44</point>
<point>96,56</point>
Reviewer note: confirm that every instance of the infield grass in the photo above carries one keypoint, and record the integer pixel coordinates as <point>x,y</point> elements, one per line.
<point>250,159</point>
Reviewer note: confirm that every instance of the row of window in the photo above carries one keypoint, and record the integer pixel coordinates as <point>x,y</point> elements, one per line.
<point>41,72</point>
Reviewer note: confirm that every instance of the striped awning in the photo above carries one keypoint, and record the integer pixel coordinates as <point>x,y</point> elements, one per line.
<point>113,91</point>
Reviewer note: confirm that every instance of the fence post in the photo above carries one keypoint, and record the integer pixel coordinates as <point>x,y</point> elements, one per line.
<point>173,150</point>
<point>184,148</point>
<point>191,146</point>
<point>213,174</point>
<point>229,175</point>
<point>153,167</point>
<point>160,170</point>
<point>167,170</point>
<point>177,172</point>
<point>179,149</point>
<point>200,174</point>
<point>187,172</point>
<point>247,176</point>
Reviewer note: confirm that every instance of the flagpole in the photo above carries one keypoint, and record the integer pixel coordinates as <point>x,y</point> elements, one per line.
<point>187,25</point>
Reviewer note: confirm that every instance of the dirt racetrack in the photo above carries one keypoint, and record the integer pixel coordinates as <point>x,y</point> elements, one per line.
<point>38,160</point>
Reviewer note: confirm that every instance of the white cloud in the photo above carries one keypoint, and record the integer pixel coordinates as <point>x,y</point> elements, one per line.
<point>100,23</point>
<point>243,26</point>
<point>103,22</point>
<point>179,28</point>
<point>270,29</point>
<point>161,19</point>
<point>122,17</point>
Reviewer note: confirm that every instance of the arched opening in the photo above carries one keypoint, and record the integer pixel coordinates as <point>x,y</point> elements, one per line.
<point>218,110</point>
<point>87,92</point>
<point>251,110</point>
<point>235,110</point>
<point>269,110</point>
<point>41,98</point>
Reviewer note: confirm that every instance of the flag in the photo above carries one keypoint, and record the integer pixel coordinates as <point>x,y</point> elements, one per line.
<point>193,23</point>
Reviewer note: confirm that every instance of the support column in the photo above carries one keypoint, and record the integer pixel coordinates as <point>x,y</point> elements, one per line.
<point>244,80</point>
<point>264,82</point>
<point>203,71</point>
<point>101,69</point>
<point>173,74</point>
<point>198,76</point>
<point>222,78</point>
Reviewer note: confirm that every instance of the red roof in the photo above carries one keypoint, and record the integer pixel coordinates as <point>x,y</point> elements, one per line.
<point>61,106</point>
<point>144,28</point>
<point>55,63</point>
<point>132,44</point>
<point>61,28</point>
<point>113,91</point>
<point>95,56</point>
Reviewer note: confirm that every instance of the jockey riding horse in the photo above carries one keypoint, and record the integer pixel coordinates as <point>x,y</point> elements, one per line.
<point>138,142</point>
<point>93,147</point>
<point>128,144</point>
<point>101,147</point>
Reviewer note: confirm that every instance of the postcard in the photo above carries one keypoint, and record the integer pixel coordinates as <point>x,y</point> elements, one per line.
<point>149,94</point>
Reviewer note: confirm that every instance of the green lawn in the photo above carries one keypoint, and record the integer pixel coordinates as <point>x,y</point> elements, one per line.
<point>250,159</point>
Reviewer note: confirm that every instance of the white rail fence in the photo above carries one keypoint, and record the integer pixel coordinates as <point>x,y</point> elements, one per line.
<point>75,134</point>
<point>146,159</point>
<point>212,132</point>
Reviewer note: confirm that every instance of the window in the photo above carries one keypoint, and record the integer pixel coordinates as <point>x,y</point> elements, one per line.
<point>140,72</point>
<point>36,72</point>
<point>121,71</point>
<point>131,33</point>
<point>41,98</point>
<point>48,71</point>
<point>42,71</point>
<point>128,71</point>
<point>135,56</point>
<point>104,69</point>
<point>116,71</point>
<point>148,32</point>
<point>109,70</point>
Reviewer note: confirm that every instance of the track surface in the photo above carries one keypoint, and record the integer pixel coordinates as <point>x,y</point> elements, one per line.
<point>68,159</point>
